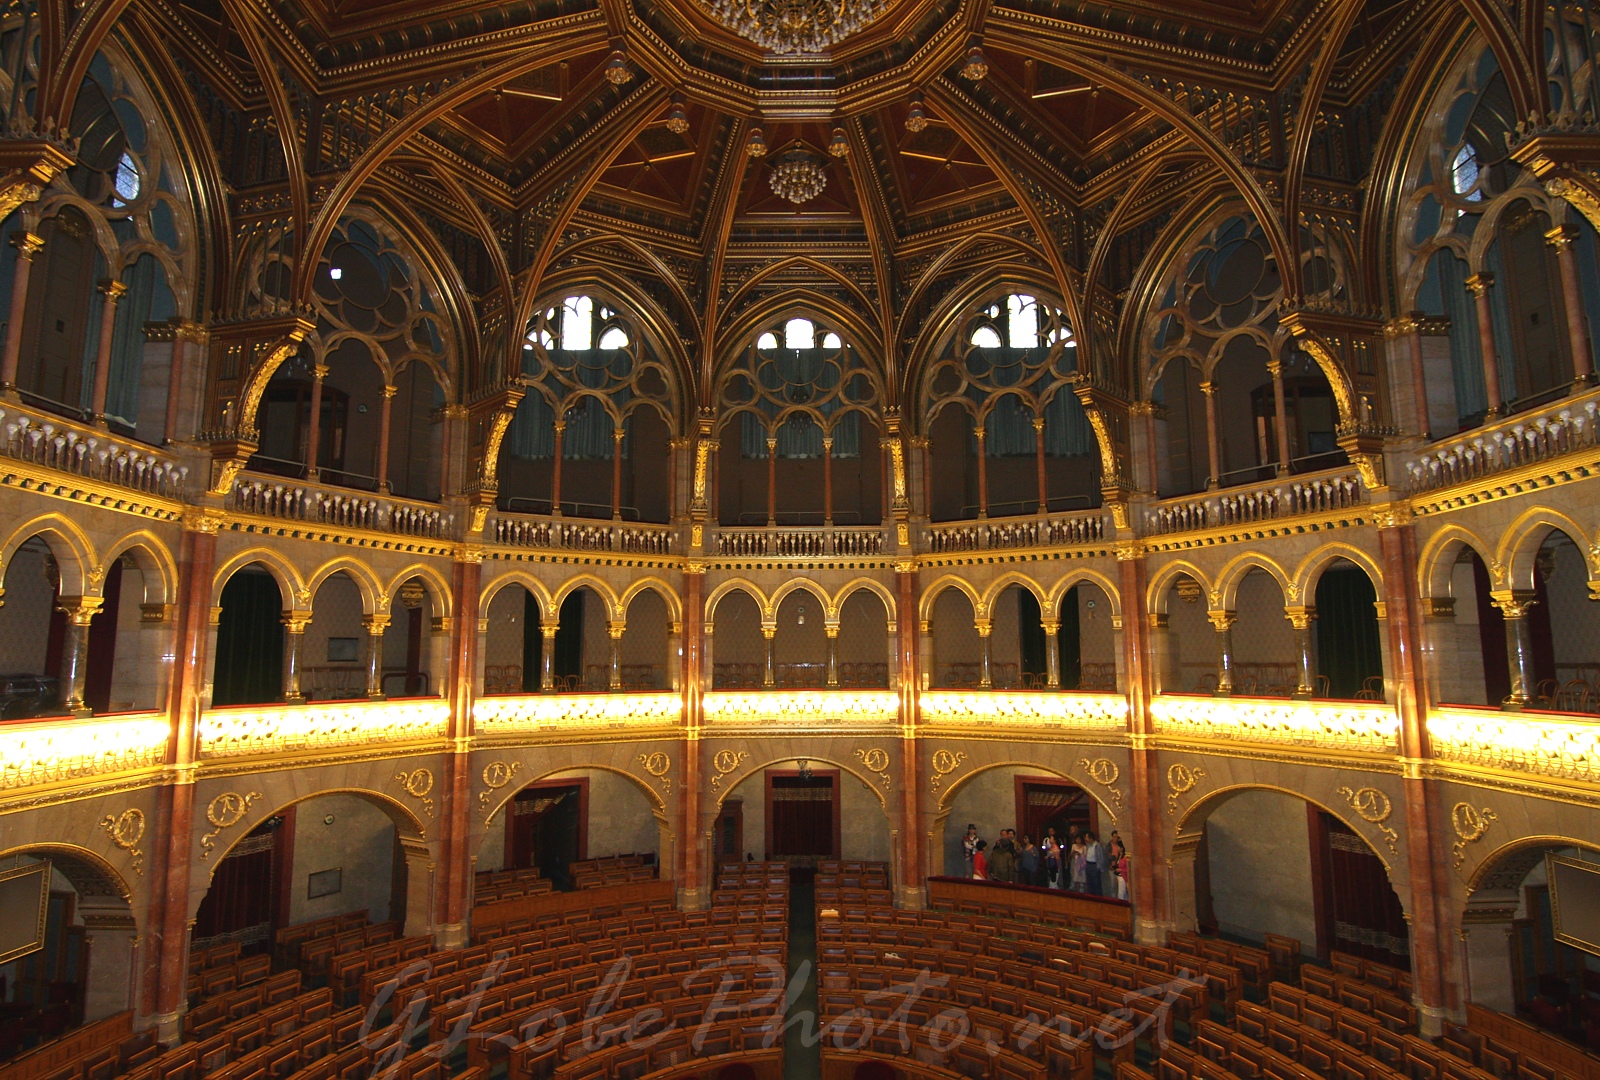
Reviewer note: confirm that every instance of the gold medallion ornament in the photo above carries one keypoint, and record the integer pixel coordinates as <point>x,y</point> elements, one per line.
<point>1470,823</point>
<point>725,762</point>
<point>418,783</point>
<point>876,760</point>
<point>657,764</point>
<point>496,775</point>
<point>224,812</point>
<point>945,762</point>
<point>1374,808</point>
<point>1181,780</point>
<point>1104,772</point>
<point>126,830</point>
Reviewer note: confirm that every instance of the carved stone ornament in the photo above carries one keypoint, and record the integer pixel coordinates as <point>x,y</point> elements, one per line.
<point>1470,823</point>
<point>1373,807</point>
<point>725,762</point>
<point>126,830</point>
<point>418,783</point>
<point>1104,772</point>
<point>224,812</point>
<point>1181,780</point>
<point>876,760</point>
<point>657,765</point>
<point>496,775</point>
<point>945,762</point>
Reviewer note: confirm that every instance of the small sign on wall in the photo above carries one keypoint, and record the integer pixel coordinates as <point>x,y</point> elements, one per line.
<point>343,650</point>
<point>325,883</point>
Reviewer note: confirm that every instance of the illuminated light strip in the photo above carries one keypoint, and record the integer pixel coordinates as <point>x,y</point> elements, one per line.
<point>1341,725</point>
<point>1518,742</point>
<point>65,748</point>
<point>241,732</point>
<point>532,712</point>
<point>1090,711</point>
<point>789,706</point>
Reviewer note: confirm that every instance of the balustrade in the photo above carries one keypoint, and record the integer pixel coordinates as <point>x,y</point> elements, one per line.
<point>544,532</point>
<point>273,729</point>
<point>1331,725</point>
<point>57,749</point>
<point>1057,530</point>
<point>800,542</point>
<point>1522,440</point>
<point>88,452</point>
<point>802,706</point>
<point>1331,491</point>
<point>1098,712</point>
<point>320,505</point>
<point>513,714</point>
<point>1562,748</point>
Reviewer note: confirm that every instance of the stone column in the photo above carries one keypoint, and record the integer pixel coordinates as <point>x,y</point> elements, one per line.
<point>1223,622</point>
<point>1052,653</point>
<point>832,633</point>
<point>27,245</point>
<point>768,633</point>
<point>294,623</point>
<point>80,612</point>
<point>1562,238</point>
<point>983,472</point>
<point>113,291</point>
<point>1300,618</point>
<point>616,472</point>
<point>547,657</point>
<point>1038,454</point>
<point>376,625</point>
<point>314,435</point>
<point>385,420</point>
<point>1519,648</point>
<point>1479,285</point>
<point>827,481</point>
<point>453,900</point>
<point>1280,416</point>
<point>911,880</point>
<point>555,471</point>
<point>688,858</point>
<point>614,631</point>
<point>772,481</point>
<point>1163,680</point>
<point>985,675</point>
<point>1150,881</point>
<point>1213,449</point>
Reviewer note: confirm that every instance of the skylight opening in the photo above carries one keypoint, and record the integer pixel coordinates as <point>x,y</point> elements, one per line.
<point>577,324</point>
<point>799,334</point>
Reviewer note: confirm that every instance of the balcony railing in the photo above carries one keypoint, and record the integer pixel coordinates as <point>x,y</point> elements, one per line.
<point>318,504</point>
<point>1517,441</point>
<point>1088,712</point>
<point>1331,725</point>
<point>1057,530</point>
<point>521,713</point>
<point>55,443</point>
<point>274,729</point>
<point>801,706</point>
<point>1331,491</point>
<point>1543,744</point>
<point>520,530</point>
<point>799,542</point>
<point>61,748</point>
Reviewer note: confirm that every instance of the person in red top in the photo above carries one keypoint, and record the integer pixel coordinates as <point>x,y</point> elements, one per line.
<point>980,864</point>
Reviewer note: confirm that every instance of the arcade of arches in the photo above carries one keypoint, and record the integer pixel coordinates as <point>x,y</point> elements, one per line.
<point>570,440</point>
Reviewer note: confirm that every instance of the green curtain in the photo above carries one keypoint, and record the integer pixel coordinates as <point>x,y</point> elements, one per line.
<point>1348,648</point>
<point>569,637</point>
<point>249,668</point>
<point>1069,642</point>
<point>1031,630</point>
<point>532,643</point>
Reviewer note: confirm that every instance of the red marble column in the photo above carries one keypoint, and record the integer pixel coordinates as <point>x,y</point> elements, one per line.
<point>692,874</point>
<point>913,872</point>
<point>455,900</point>
<point>1147,885</point>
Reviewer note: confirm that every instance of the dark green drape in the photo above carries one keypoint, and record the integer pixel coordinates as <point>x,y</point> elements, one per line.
<point>1348,647</point>
<point>249,669</point>
<point>569,637</point>
<point>1031,631</point>
<point>532,643</point>
<point>1069,641</point>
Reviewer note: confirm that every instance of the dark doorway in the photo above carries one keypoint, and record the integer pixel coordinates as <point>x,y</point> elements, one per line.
<point>1357,910</point>
<point>802,816</point>
<point>1349,653</point>
<point>1030,628</point>
<point>547,827</point>
<point>249,665</point>
<point>532,643</point>
<point>568,659</point>
<point>247,899</point>
<point>730,831</point>
<point>1044,803</point>
<point>103,644</point>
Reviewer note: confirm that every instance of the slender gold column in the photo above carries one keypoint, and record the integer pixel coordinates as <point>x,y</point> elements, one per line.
<point>376,625</point>
<point>1213,449</point>
<point>1052,654</point>
<point>1038,453</point>
<point>1223,621</point>
<point>27,245</point>
<point>1478,285</point>
<point>1300,618</point>
<point>385,419</point>
<point>80,612</point>
<point>1280,415</point>
<point>983,473</point>
<point>314,436</point>
<point>1562,238</point>
<point>294,623</point>
<point>833,655</point>
<point>114,291</point>
<point>1519,648</point>
<point>768,674</point>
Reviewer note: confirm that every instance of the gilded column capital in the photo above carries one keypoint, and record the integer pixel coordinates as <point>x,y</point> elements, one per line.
<point>1514,604</point>
<point>27,244</point>
<point>295,622</point>
<point>80,610</point>
<point>1480,283</point>
<point>202,519</point>
<point>615,630</point>
<point>112,289</point>
<point>831,630</point>
<point>375,624</point>
<point>390,391</point>
<point>1300,617</point>
<point>1562,237</point>
<point>1222,620</point>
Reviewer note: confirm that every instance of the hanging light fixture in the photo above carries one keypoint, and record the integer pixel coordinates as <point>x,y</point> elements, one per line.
<point>795,26</point>
<point>617,70</point>
<point>677,118</point>
<point>798,177</point>
<point>756,145</point>
<point>976,65</point>
<point>840,145</point>
<point>916,119</point>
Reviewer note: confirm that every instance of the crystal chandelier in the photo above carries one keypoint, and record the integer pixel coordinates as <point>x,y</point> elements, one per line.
<point>798,177</point>
<point>795,26</point>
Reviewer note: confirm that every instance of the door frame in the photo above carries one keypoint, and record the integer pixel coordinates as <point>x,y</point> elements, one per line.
<point>816,774</point>
<point>581,783</point>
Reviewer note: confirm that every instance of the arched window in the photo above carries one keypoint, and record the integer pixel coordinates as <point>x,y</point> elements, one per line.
<point>1464,173</point>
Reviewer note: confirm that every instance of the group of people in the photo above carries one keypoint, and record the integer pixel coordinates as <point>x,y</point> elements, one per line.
<point>1078,863</point>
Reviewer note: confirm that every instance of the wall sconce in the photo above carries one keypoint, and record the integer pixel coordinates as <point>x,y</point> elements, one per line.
<point>801,621</point>
<point>805,769</point>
